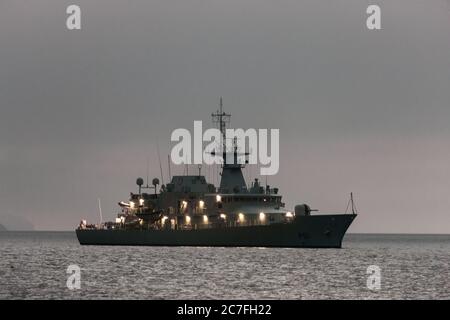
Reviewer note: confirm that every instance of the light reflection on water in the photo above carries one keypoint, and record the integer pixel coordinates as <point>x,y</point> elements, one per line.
<point>33,266</point>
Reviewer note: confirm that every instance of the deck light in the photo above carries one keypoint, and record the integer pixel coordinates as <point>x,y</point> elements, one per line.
<point>262,216</point>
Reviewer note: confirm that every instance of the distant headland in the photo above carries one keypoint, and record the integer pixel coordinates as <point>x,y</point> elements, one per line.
<point>9,222</point>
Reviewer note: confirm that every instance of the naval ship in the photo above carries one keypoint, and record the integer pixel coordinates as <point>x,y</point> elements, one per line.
<point>189,211</point>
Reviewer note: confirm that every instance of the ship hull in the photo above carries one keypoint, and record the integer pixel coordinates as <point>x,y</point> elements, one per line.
<point>317,231</point>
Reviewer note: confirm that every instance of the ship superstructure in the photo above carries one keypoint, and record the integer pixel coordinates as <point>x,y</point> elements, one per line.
<point>190,211</point>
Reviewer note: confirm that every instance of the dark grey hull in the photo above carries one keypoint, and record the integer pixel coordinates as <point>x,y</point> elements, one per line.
<point>317,231</point>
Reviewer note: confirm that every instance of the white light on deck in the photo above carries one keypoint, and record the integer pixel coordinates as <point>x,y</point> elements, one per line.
<point>223,215</point>
<point>131,204</point>
<point>241,217</point>
<point>205,218</point>
<point>262,216</point>
<point>118,220</point>
<point>289,214</point>
<point>201,204</point>
<point>218,198</point>
<point>141,202</point>
<point>184,204</point>
<point>163,220</point>
<point>188,219</point>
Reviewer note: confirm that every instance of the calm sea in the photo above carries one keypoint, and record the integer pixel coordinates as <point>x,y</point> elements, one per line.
<point>33,265</point>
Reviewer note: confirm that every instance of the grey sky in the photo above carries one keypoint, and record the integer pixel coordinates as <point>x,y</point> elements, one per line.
<point>358,110</point>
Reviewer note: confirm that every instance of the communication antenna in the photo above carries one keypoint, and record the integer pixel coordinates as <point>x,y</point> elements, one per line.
<point>168,164</point>
<point>140,182</point>
<point>159,159</point>
<point>155,182</point>
<point>100,210</point>
<point>147,172</point>
<point>221,119</point>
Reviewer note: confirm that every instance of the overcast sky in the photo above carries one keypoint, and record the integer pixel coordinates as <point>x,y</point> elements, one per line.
<point>358,110</point>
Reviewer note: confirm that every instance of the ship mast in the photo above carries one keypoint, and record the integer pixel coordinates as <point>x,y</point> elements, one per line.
<point>222,119</point>
<point>232,179</point>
